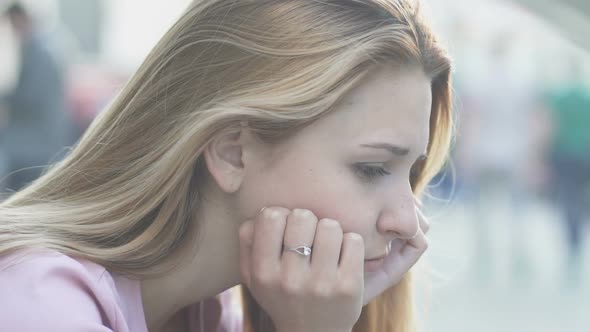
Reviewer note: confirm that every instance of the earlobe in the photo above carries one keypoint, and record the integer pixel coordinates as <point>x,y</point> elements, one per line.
<point>223,156</point>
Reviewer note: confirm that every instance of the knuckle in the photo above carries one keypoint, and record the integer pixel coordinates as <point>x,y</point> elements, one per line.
<point>263,278</point>
<point>330,224</point>
<point>303,214</point>
<point>267,214</point>
<point>290,286</point>
<point>272,217</point>
<point>355,239</point>
<point>274,212</point>
<point>242,235</point>
<point>348,288</point>
<point>322,289</point>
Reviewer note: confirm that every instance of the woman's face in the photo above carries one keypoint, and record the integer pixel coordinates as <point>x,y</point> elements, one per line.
<point>354,164</point>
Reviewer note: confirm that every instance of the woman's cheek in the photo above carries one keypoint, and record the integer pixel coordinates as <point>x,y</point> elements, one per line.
<point>327,193</point>
<point>341,206</point>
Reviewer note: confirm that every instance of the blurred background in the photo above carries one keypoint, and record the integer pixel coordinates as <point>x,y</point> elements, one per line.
<point>509,240</point>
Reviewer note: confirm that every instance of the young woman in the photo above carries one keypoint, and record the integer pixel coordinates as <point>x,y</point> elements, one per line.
<point>280,145</point>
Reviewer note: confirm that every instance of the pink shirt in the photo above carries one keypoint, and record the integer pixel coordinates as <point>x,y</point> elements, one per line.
<point>50,291</point>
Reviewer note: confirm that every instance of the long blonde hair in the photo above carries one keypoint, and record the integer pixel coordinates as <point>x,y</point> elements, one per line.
<point>126,195</point>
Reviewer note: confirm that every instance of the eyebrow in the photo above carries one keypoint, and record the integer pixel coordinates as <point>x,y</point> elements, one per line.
<point>394,149</point>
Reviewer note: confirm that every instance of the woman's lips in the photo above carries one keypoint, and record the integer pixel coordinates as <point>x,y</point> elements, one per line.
<point>372,265</point>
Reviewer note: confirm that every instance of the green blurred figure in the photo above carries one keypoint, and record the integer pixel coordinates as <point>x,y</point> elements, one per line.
<point>570,156</point>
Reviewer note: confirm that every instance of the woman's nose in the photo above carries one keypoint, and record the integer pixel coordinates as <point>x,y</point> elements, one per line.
<point>399,218</point>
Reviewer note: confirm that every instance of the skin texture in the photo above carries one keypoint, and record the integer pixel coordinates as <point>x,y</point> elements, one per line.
<point>361,197</point>
<point>316,170</point>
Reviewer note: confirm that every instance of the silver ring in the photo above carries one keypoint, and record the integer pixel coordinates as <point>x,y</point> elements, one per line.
<point>301,250</point>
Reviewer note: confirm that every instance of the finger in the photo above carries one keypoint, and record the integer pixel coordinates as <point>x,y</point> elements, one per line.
<point>352,256</point>
<point>269,230</point>
<point>326,248</point>
<point>397,245</point>
<point>246,236</point>
<point>403,256</point>
<point>413,250</point>
<point>299,231</point>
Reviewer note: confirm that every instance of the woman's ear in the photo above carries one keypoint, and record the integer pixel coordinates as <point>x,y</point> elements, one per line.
<point>224,159</point>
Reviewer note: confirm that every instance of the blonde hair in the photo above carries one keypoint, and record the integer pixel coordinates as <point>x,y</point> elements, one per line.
<point>128,192</point>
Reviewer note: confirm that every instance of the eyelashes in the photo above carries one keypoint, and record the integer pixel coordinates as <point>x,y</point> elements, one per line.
<point>370,173</point>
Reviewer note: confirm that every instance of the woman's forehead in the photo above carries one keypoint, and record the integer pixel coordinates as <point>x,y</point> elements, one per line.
<point>390,103</point>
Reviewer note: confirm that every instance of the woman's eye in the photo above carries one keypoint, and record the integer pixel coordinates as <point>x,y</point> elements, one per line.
<point>370,172</point>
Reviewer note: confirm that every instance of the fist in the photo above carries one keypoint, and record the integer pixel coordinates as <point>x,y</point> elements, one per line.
<point>303,290</point>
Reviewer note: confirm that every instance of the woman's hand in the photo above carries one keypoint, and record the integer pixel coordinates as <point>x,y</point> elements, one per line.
<point>300,294</point>
<point>402,256</point>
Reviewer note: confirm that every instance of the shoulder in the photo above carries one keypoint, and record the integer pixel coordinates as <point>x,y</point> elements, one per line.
<point>222,313</point>
<point>232,315</point>
<point>52,291</point>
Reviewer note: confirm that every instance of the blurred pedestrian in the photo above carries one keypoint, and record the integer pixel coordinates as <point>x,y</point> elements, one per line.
<point>570,157</point>
<point>501,105</point>
<point>37,126</point>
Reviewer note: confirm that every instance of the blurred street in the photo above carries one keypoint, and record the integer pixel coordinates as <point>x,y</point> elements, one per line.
<point>502,292</point>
